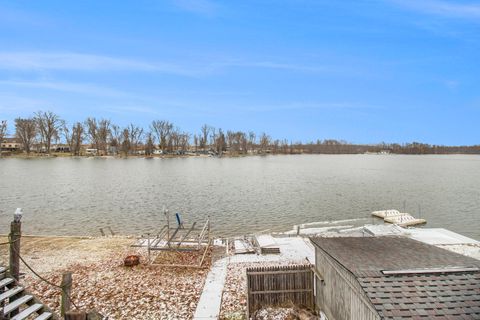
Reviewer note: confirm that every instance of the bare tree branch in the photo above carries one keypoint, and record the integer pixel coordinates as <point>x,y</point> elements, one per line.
<point>26,130</point>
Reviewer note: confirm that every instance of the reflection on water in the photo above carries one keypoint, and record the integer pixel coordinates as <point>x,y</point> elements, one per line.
<point>77,196</point>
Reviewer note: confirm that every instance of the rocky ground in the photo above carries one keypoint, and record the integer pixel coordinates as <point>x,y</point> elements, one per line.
<point>101,282</point>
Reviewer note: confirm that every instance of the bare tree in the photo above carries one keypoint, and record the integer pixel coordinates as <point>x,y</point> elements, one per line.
<point>92,132</point>
<point>74,137</point>
<point>205,130</point>
<point>48,126</point>
<point>115,138</point>
<point>184,141</point>
<point>125,144</point>
<point>149,144</point>
<point>213,137</point>
<point>103,133</point>
<point>243,141</point>
<point>162,130</point>
<point>251,140</point>
<point>26,130</point>
<point>220,143</point>
<point>78,135</point>
<point>195,142</point>
<point>3,133</point>
<point>98,132</point>
<point>136,135</point>
<point>3,130</point>
<point>264,142</point>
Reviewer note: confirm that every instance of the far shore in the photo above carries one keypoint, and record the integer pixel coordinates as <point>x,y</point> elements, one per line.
<point>198,155</point>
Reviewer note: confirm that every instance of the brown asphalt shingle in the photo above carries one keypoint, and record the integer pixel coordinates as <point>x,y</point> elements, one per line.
<point>423,295</point>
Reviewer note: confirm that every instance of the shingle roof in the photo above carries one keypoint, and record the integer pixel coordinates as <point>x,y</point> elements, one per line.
<point>422,295</point>
<point>369,256</point>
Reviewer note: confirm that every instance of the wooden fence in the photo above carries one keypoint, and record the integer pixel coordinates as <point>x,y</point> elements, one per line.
<point>280,285</point>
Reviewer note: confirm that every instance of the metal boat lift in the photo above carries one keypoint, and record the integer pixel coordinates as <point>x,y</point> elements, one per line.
<point>177,239</point>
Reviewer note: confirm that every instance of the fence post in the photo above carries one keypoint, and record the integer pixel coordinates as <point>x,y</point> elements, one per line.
<point>15,235</point>
<point>148,247</point>
<point>75,315</point>
<point>66,294</point>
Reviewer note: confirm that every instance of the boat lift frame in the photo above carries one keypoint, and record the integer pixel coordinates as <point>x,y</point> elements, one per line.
<point>178,239</point>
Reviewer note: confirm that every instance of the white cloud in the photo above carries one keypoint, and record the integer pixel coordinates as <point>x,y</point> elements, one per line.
<point>11,104</point>
<point>277,66</point>
<point>90,89</point>
<point>82,62</point>
<point>442,8</point>
<point>70,61</point>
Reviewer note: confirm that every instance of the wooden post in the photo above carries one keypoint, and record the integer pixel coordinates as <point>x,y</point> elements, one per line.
<point>75,315</point>
<point>148,247</point>
<point>15,235</point>
<point>66,294</point>
<point>208,217</point>
<point>168,223</point>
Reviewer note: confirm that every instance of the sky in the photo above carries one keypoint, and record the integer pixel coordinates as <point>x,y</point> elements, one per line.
<point>361,71</point>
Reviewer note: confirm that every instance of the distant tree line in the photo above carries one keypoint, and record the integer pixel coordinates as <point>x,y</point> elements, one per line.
<point>44,128</point>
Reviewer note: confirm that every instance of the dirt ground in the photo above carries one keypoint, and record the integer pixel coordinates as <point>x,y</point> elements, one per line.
<point>101,282</point>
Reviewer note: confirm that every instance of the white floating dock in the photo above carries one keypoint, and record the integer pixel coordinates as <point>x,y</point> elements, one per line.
<point>405,220</point>
<point>386,213</point>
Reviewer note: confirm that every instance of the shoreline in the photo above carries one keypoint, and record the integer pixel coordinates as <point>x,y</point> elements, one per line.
<point>184,156</point>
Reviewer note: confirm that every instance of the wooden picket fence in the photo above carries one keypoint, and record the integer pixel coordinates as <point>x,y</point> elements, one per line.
<point>280,285</point>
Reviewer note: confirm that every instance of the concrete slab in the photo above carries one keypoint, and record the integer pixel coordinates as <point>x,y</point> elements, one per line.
<point>384,230</point>
<point>266,241</point>
<point>208,307</point>
<point>439,236</point>
<point>296,249</point>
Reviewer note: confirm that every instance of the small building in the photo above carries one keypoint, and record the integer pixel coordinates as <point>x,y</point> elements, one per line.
<point>11,144</point>
<point>366,278</point>
<point>91,152</point>
<point>60,148</point>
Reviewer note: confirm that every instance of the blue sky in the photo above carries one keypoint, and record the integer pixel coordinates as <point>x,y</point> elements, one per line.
<point>361,71</point>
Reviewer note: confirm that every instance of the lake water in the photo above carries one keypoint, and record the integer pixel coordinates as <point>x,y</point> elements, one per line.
<point>67,196</point>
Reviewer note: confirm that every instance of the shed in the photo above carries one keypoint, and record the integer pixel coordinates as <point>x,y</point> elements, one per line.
<point>394,278</point>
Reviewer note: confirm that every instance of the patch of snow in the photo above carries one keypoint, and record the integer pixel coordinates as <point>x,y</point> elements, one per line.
<point>439,236</point>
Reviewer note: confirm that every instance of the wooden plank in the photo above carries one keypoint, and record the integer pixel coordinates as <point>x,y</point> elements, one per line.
<point>27,312</point>
<point>16,304</point>
<point>204,255</point>
<point>10,293</point>
<point>281,291</point>
<point>278,285</point>
<point>5,282</point>
<point>253,273</point>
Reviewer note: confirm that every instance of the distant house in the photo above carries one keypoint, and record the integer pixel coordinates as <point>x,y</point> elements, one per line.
<point>368,278</point>
<point>60,148</point>
<point>91,152</point>
<point>157,151</point>
<point>11,144</point>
